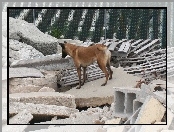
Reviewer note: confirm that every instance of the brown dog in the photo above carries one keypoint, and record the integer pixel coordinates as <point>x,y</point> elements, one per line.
<point>84,56</point>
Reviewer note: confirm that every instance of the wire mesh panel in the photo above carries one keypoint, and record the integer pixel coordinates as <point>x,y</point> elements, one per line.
<point>94,23</point>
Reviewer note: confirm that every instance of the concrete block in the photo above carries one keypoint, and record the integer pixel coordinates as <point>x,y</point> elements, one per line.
<point>23,117</point>
<point>124,101</point>
<point>136,105</point>
<point>50,63</point>
<point>24,72</point>
<point>24,85</point>
<point>46,89</point>
<point>152,111</point>
<point>133,117</point>
<point>47,98</point>
<point>41,109</point>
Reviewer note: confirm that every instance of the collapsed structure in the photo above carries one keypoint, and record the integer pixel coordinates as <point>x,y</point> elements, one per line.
<point>35,84</point>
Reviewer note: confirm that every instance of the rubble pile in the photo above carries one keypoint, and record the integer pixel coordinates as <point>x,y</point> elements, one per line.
<point>42,86</point>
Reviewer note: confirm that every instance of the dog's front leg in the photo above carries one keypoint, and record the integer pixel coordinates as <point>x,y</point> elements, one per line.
<point>79,74</point>
<point>84,75</point>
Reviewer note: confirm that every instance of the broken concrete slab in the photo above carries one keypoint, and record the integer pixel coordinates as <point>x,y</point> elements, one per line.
<point>24,89</point>
<point>151,111</point>
<point>34,84</point>
<point>92,94</point>
<point>50,63</point>
<point>24,72</point>
<point>46,89</point>
<point>47,98</point>
<point>31,35</point>
<point>123,100</point>
<point>41,109</point>
<point>23,117</point>
<point>22,51</point>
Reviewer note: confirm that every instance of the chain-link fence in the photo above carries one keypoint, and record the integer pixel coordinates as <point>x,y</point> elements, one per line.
<point>92,23</point>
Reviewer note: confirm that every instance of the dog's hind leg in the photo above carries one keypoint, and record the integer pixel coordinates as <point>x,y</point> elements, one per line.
<point>79,74</point>
<point>84,75</point>
<point>110,71</point>
<point>103,68</point>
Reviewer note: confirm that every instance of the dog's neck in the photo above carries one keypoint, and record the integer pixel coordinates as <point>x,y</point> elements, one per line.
<point>70,49</point>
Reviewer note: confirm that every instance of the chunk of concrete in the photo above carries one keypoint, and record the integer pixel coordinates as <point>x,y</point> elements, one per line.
<point>46,89</point>
<point>23,117</point>
<point>47,98</point>
<point>23,85</point>
<point>50,63</point>
<point>41,109</point>
<point>151,111</point>
<point>124,97</point>
<point>31,35</point>
<point>77,118</point>
<point>24,89</point>
<point>24,72</point>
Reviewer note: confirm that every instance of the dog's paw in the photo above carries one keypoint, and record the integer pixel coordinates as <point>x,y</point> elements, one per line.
<point>110,78</point>
<point>103,84</point>
<point>78,87</point>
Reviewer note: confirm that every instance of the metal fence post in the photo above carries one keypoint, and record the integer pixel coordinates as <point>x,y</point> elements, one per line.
<point>105,23</point>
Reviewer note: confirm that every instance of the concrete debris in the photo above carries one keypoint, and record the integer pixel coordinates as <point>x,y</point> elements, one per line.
<point>23,117</point>
<point>40,110</point>
<point>24,72</point>
<point>47,98</point>
<point>49,63</point>
<point>114,121</point>
<point>124,101</point>
<point>152,111</point>
<point>28,33</point>
<point>22,51</point>
<point>20,85</point>
<point>46,89</point>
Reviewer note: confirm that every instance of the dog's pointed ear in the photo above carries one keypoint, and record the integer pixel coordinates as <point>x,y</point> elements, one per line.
<point>62,45</point>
